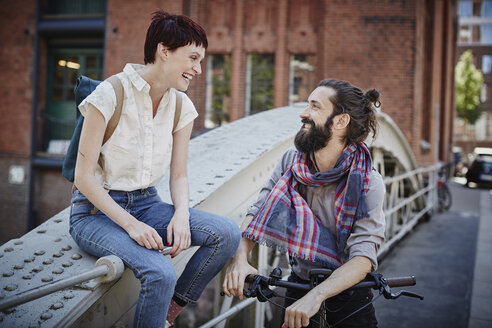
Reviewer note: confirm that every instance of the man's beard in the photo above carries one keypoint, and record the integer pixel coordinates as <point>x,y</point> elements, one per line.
<point>313,139</point>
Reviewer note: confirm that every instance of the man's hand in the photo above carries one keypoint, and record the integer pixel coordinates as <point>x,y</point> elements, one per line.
<point>178,233</point>
<point>298,314</point>
<point>235,274</point>
<point>144,235</point>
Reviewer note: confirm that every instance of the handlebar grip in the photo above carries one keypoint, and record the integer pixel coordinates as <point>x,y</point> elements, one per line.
<point>250,278</point>
<point>401,281</point>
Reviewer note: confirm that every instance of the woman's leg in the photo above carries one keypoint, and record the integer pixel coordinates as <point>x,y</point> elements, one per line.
<point>218,239</point>
<point>100,236</point>
<point>216,236</point>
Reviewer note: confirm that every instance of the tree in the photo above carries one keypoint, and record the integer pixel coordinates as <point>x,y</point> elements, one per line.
<point>468,81</point>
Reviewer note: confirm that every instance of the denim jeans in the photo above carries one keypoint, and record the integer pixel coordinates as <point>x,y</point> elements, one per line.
<point>339,306</point>
<point>95,233</point>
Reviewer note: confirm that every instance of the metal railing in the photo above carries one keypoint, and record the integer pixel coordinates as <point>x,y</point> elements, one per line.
<point>108,269</point>
<point>409,196</point>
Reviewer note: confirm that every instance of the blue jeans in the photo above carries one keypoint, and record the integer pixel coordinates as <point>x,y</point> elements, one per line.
<point>98,235</point>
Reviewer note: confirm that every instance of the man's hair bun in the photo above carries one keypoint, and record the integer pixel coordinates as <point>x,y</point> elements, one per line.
<point>372,95</point>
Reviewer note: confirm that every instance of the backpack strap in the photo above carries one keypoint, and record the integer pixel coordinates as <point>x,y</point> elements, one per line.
<point>177,112</point>
<point>113,122</point>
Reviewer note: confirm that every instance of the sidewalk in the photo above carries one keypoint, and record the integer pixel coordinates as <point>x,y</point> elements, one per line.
<point>481,301</point>
<point>441,254</point>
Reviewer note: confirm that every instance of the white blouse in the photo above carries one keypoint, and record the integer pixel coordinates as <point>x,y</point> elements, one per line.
<point>138,153</point>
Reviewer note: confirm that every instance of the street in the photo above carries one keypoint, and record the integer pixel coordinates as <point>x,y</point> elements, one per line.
<point>441,254</point>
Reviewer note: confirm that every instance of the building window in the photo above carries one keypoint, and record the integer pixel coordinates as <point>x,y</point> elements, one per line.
<point>72,8</point>
<point>259,83</point>
<point>218,101</point>
<point>487,64</point>
<point>64,67</point>
<point>486,10</point>
<point>302,79</point>
<point>489,125</point>
<point>465,9</point>
<point>480,34</point>
<point>483,93</point>
<point>486,34</point>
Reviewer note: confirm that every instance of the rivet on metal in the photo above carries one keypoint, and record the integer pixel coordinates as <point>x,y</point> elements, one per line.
<point>66,248</point>
<point>18,242</point>
<point>8,273</point>
<point>47,279</point>
<point>41,231</point>
<point>19,266</point>
<point>59,254</point>
<point>27,276</point>
<point>46,316</point>
<point>37,269</point>
<point>39,252</point>
<point>29,259</point>
<point>67,264</point>
<point>57,305</point>
<point>57,240</point>
<point>58,271</point>
<point>8,249</point>
<point>68,296</point>
<point>48,261</point>
<point>76,256</point>
<point>10,287</point>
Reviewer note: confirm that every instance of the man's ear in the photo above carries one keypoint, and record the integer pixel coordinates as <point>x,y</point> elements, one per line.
<point>162,51</point>
<point>342,121</point>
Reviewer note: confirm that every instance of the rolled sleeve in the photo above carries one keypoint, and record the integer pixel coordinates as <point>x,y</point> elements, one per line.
<point>368,233</point>
<point>103,98</point>
<point>188,112</point>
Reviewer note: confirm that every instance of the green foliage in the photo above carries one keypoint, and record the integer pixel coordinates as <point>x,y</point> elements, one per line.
<point>262,74</point>
<point>221,91</point>
<point>468,82</point>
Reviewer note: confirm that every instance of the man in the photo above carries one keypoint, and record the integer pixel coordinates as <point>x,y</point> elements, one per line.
<point>324,205</point>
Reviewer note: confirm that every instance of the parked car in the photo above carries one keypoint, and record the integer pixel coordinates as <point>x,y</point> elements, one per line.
<point>480,171</point>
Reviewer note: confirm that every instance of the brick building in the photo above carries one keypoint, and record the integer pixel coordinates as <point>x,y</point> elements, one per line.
<point>262,54</point>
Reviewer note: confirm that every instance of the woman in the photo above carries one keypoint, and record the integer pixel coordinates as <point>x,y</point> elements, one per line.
<point>115,207</point>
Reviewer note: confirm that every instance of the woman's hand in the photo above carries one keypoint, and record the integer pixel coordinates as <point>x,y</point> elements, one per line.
<point>144,235</point>
<point>235,275</point>
<point>298,314</point>
<point>178,233</point>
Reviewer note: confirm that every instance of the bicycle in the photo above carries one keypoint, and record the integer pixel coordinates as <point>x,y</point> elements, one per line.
<point>444,197</point>
<point>260,288</point>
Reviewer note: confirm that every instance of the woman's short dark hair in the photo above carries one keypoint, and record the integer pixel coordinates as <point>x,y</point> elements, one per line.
<point>173,31</point>
<point>351,100</point>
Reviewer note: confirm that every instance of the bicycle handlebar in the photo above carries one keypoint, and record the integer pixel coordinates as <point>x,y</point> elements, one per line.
<point>392,282</point>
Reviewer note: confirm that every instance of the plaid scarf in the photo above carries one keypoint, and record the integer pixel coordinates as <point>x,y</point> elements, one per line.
<point>285,220</point>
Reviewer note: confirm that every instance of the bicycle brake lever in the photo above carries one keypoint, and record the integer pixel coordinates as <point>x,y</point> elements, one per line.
<point>394,296</point>
<point>411,294</point>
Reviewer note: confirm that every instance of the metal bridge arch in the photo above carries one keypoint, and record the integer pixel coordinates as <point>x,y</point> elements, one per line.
<point>227,167</point>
